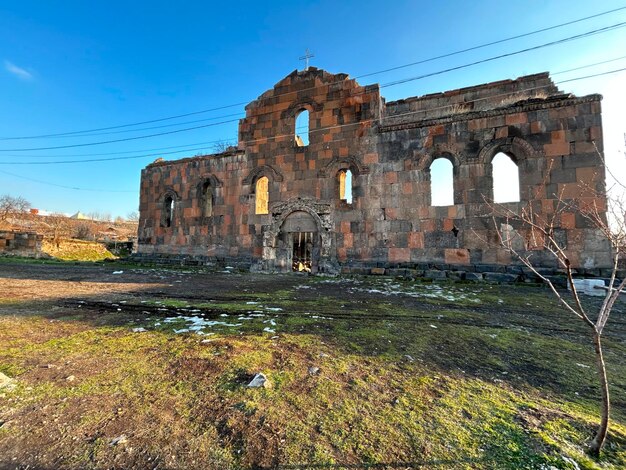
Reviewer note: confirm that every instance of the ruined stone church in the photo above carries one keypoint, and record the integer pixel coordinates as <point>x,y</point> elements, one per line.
<point>327,177</point>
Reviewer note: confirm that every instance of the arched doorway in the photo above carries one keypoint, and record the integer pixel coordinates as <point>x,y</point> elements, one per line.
<point>298,247</point>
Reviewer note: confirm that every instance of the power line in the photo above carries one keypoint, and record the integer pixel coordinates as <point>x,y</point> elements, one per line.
<point>264,139</point>
<point>65,134</point>
<point>120,140</point>
<point>443,56</point>
<point>195,144</point>
<point>508,54</point>
<point>397,82</point>
<point>592,76</point>
<point>587,66</point>
<point>65,187</point>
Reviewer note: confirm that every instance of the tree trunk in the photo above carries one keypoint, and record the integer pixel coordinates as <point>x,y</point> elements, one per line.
<point>598,441</point>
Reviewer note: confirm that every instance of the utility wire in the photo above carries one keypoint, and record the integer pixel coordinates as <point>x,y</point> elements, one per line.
<point>397,82</point>
<point>443,56</point>
<point>324,129</point>
<point>511,38</point>
<point>65,187</point>
<point>196,144</point>
<point>508,54</point>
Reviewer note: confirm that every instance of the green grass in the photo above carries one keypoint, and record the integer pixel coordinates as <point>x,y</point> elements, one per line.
<point>450,384</point>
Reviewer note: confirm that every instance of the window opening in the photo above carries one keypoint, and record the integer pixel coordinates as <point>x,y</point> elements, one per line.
<point>262,195</point>
<point>441,182</point>
<point>168,207</point>
<point>302,251</point>
<point>345,186</point>
<point>302,129</point>
<point>207,199</point>
<point>505,179</point>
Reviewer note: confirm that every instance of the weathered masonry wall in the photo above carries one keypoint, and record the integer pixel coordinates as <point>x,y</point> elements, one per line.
<point>205,207</point>
<point>20,243</point>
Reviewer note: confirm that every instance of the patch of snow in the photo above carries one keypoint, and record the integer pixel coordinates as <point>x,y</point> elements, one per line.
<point>118,272</point>
<point>139,330</point>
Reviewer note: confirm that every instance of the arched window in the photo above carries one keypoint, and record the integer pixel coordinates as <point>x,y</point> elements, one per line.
<point>505,179</point>
<point>345,186</point>
<point>168,211</point>
<point>262,195</point>
<point>207,199</point>
<point>302,128</point>
<point>441,182</point>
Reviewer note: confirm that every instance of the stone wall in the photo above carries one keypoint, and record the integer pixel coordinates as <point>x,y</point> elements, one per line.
<point>388,148</point>
<point>20,243</point>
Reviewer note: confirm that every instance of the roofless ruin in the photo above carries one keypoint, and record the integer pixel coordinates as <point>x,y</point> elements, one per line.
<point>328,177</point>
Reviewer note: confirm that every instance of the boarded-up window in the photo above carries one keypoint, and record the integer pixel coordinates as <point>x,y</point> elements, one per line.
<point>505,179</point>
<point>441,182</point>
<point>262,195</point>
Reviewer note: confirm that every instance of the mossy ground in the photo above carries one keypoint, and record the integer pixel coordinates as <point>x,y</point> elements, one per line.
<point>443,376</point>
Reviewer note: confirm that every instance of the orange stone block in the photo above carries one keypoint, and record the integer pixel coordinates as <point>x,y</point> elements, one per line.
<point>448,224</point>
<point>345,227</point>
<point>457,256</point>
<point>517,118</point>
<point>391,178</point>
<point>556,149</point>
<point>502,132</point>
<point>568,220</point>
<point>436,130</point>
<point>370,158</point>
<point>416,240</point>
<point>399,255</point>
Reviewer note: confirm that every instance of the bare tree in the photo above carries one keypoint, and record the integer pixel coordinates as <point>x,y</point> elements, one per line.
<point>525,232</point>
<point>59,225</point>
<point>132,216</point>
<point>11,206</point>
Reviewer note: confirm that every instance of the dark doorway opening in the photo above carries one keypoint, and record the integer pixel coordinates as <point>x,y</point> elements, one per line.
<point>302,254</point>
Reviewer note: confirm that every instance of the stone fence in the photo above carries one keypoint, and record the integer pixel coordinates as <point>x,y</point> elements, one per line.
<point>20,243</point>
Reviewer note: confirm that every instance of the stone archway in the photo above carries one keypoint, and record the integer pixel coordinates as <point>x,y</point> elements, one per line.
<point>293,217</point>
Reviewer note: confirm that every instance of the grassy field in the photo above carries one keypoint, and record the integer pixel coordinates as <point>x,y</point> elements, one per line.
<point>148,368</point>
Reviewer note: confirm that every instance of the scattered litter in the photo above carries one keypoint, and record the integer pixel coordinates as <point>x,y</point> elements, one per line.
<point>314,370</point>
<point>119,440</point>
<point>70,378</point>
<point>259,380</point>
<point>433,326</point>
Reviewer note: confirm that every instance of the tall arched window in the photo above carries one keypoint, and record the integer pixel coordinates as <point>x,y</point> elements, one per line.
<point>207,199</point>
<point>345,186</point>
<point>505,179</point>
<point>168,211</point>
<point>441,182</point>
<point>302,128</point>
<point>262,195</point>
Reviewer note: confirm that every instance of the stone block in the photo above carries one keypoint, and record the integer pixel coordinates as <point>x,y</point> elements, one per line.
<point>435,274</point>
<point>377,271</point>
<point>501,277</point>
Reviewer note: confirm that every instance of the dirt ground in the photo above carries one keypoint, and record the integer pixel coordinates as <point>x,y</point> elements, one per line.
<point>123,366</point>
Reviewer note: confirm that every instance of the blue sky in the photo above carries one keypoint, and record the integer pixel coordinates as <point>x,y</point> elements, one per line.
<point>73,65</point>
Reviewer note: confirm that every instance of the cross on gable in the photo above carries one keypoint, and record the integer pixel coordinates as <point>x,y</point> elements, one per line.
<point>307,55</point>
